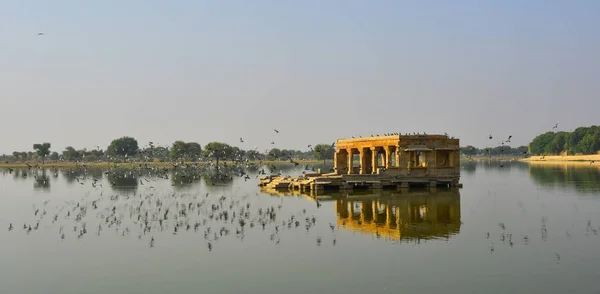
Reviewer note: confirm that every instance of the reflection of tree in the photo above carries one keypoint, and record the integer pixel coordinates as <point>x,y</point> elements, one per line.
<point>123,181</point>
<point>469,167</point>
<point>501,166</point>
<point>181,179</point>
<point>17,174</point>
<point>79,174</point>
<point>214,179</point>
<point>42,181</point>
<point>582,179</point>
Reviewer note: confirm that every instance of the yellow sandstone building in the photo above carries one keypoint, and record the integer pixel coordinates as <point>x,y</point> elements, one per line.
<point>397,161</point>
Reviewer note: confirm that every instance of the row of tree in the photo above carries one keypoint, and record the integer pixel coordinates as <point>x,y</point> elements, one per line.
<point>127,148</point>
<point>502,150</point>
<point>583,140</point>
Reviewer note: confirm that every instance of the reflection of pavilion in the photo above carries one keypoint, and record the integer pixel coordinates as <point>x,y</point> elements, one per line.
<point>399,215</point>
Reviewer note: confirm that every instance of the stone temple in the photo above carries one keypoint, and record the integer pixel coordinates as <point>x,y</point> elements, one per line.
<point>398,161</point>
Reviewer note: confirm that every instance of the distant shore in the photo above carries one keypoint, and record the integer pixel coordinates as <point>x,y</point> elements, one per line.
<point>65,164</point>
<point>493,158</point>
<point>566,158</point>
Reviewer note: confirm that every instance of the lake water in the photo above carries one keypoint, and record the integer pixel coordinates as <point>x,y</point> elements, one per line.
<point>511,229</point>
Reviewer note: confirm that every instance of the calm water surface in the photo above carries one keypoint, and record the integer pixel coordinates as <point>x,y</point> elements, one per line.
<point>515,229</point>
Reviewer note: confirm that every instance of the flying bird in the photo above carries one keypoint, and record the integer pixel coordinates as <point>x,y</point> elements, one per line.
<point>276,131</point>
<point>555,126</point>
<point>491,136</point>
<point>41,34</point>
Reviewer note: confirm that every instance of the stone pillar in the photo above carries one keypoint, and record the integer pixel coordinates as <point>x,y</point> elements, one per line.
<point>374,159</point>
<point>435,162</point>
<point>388,157</point>
<point>362,156</point>
<point>398,156</point>
<point>350,161</point>
<point>335,162</point>
<point>341,162</point>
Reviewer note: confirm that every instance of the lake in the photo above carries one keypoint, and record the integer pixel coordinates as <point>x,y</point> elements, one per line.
<point>518,228</point>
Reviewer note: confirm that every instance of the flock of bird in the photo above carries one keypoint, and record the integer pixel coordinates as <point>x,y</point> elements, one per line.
<point>150,213</point>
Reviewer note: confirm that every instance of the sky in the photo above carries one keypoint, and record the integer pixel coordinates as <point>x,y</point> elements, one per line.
<point>316,71</point>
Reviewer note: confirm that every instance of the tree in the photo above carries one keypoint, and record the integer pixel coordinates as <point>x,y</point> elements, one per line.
<point>178,150</point>
<point>274,154</point>
<point>236,153</point>
<point>181,150</point>
<point>217,150</point>
<point>70,154</point>
<point>324,152</point>
<point>557,145</point>
<point>584,140</point>
<point>16,155</point>
<point>193,151</point>
<point>42,150</point>
<point>469,150</point>
<point>588,144</point>
<point>124,147</point>
<point>522,150</point>
<point>160,153</point>
<point>538,145</point>
<point>53,156</point>
<point>253,155</point>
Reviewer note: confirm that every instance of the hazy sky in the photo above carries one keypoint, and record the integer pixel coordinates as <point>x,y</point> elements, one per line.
<point>316,70</point>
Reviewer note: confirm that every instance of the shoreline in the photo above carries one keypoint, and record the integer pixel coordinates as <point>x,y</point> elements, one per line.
<point>566,158</point>
<point>135,164</point>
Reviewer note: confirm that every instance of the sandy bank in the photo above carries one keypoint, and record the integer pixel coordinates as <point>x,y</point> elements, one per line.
<point>567,158</point>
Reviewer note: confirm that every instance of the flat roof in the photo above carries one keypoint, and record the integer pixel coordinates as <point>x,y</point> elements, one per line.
<point>394,137</point>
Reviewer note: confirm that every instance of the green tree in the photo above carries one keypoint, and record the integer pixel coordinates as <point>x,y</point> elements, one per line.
<point>557,145</point>
<point>23,155</point>
<point>539,143</point>
<point>182,150</point>
<point>53,156</point>
<point>70,154</point>
<point>253,155</point>
<point>469,150</point>
<point>194,150</point>
<point>124,147</point>
<point>217,151</point>
<point>274,154</point>
<point>42,150</point>
<point>236,153</point>
<point>178,150</point>
<point>587,145</point>
<point>522,150</point>
<point>160,153</point>
<point>16,155</point>
<point>324,152</point>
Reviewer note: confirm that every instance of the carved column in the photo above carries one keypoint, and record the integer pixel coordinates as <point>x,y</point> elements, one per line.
<point>398,156</point>
<point>363,166</point>
<point>388,157</point>
<point>335,162</point>
<point>350,164</point>
<point>374,160</point>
